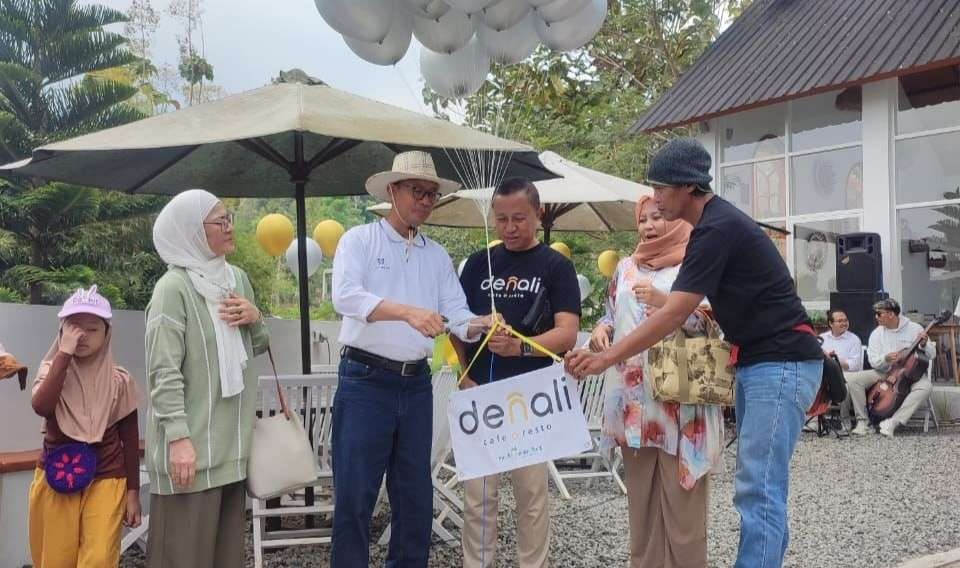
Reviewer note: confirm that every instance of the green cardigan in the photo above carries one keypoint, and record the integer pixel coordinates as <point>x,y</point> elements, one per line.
<point>184,381</point>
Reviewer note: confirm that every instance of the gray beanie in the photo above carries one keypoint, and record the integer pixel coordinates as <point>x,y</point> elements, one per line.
<point>683,161</point>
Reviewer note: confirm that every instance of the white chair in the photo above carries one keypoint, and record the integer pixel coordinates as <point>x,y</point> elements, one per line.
<point>447,504</point>
<point>311,398</point>
<point>138,535</point>
<point>927,410</point>
<point>600,463</point>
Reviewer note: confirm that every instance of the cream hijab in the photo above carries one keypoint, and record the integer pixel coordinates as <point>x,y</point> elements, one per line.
<point>181,241</point>
<point>96,393</point>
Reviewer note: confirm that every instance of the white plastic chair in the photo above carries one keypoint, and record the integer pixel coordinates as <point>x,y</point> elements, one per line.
<point>138,535</point>
<point>447,504</point>
<point>310,397</point>
<point>601,465</point>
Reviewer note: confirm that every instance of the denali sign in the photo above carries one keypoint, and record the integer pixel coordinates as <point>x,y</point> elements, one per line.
<point>516,422</point>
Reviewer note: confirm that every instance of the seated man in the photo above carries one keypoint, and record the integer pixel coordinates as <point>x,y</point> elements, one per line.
<point>840,341</point>
<point>893,334</point>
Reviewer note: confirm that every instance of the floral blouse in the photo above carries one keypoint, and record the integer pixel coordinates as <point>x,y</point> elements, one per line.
<point>632,416</point>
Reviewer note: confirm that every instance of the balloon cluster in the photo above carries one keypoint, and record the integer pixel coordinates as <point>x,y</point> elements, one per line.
<point>275,233</point>
<point>462,37</point>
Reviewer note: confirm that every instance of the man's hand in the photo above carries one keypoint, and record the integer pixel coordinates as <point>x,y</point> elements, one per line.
<point>923,339</point>
<point>132,516</point>
<point>427,322</point>
<point>600,338</point>
<point>482,324</point>
<point>70,338</point>
<point>649,294</point>
<point>891,357</point>
<point>183,462</point>
<point>581,363</point>
<point>505,345</point>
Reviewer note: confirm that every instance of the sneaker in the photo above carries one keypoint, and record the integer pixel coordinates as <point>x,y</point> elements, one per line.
<point>862,428</point>
<point>887,427</point>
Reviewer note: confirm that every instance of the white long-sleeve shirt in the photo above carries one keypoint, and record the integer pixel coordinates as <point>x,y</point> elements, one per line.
<point>848,347</point>
<point>884,341</point>
<point>374,263</point>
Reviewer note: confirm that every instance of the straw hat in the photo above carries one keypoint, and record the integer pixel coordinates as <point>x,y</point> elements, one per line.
<point>9,366</point>
<point>409,165</point>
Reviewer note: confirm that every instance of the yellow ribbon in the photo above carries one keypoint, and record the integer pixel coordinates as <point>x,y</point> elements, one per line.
<point>515,333</point>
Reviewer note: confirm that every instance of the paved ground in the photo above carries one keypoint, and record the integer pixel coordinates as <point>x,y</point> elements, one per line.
<point>854,503</point>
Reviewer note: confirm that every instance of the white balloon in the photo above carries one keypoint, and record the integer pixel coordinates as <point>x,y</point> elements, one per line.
<point>505,13</point>
<point>471,6</point>
<point>460,268</point>
<point>459,74</point>
<point>314,257</point>
<point>366,20</point>
<point>575,32</point>
<point>430,9</point>
<point>537,3</point>
<point>585,286</point>
<point>560,9</point>
<point>513,44</point>
<point>392,48</point>
<point>446,34</point>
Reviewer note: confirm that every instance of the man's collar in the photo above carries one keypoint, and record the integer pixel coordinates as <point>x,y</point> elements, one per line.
<point>418,240</point>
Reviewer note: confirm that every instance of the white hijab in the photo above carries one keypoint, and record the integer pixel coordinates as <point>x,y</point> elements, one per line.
<point>180,240</point>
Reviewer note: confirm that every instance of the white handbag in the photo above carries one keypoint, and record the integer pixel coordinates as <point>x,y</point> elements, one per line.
<point>281,459</point>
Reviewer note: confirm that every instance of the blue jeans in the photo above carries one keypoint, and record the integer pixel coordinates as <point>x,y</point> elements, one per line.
<point>771,402</point>
<point>382,423</point>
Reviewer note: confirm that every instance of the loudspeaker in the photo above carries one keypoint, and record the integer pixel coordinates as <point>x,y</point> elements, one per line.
<point>859,309</point>
<point>859,266</point>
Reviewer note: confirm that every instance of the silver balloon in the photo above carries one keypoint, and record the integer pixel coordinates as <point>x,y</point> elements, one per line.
<point>560,9</point>
<point>366,20</point>
<point>505,14</point>
<point>430,9</point>
<point>314,257</point>
<point>585,287</point>
<point>471,6</point>
<point>455,75</point>
<point>392,48</point>
<point>446,34</point>
<point>513,44</point>
<point>576,31</point>
<point>537,3</point>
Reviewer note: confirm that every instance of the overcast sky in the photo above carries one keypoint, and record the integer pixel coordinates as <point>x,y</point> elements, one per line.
<point>249,41</point>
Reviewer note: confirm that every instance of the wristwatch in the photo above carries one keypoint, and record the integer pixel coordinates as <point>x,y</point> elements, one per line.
<point>526,350</point>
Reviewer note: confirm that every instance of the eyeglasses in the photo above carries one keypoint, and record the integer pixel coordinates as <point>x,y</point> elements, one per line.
<point>225,222</point>
<point>431,195</point>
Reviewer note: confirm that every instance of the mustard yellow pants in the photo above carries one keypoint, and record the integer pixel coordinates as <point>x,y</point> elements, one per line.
<point>79,530</point>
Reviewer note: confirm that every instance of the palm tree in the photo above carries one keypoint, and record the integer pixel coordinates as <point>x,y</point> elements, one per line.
<point>50,54</point>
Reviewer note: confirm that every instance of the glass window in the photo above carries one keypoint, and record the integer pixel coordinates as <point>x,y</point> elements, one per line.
<point>815,256</point>
<point>929,241</point>
<point>827,181</point>
<point>829,119</point>
<point>753,134</point>
<point>929,100</point>
<point>928,168</point>
<point>779,238</point>
<point>758,189</point>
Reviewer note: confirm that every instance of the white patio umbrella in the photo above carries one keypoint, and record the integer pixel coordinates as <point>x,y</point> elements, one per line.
<point>291,139</point>
<point>582,200</point>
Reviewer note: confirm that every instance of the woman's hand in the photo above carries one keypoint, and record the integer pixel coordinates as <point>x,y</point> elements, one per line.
<point>183,462</point>
<point>132,516</point>
<point>70,337</point>
<point>649,294</point>
<point>600,338</point>
<point>237,310</point>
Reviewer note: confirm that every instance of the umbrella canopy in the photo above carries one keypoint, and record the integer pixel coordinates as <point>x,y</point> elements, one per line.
<point>582,200</point>
<point>291,140</point>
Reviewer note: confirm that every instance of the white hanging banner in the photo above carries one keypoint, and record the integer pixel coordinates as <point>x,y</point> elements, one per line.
<point>512,423</point>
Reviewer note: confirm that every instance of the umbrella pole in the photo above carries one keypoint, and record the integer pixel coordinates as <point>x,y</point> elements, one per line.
<point>304,285</point>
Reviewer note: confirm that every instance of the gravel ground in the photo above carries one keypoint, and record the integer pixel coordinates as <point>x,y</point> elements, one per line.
<point>854,503</point>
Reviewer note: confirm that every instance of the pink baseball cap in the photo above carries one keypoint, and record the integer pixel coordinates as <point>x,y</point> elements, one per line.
<point>86,302</point>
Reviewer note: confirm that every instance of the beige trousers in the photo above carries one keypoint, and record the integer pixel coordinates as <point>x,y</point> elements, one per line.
<point>859,383</point>
<point>481,501</point>
<point>668,524</point>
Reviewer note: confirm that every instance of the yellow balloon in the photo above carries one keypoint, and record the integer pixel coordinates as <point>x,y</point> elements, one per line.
<point>562,248</point>
<point>452,359</point>
<point>327,234</point>
<point>607,262</point>
<point>494,243</point>
<point>275,233</point>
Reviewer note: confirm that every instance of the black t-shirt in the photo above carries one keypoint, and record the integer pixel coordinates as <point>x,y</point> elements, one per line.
<point>540,276</point>
<point>731,261</point>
